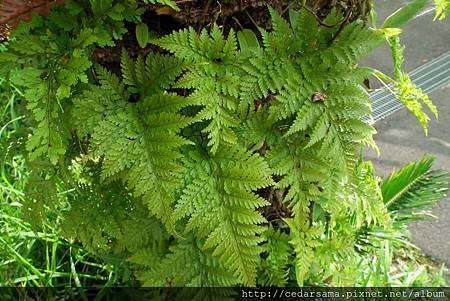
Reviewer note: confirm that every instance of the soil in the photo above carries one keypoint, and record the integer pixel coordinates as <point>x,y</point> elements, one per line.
<point>228,14</point>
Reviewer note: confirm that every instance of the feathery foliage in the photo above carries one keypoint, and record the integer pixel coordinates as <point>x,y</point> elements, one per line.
<point>211,64</point>
<point>140,140</point>
<point>314,76</point>
<point>231,160</point>
<point>407,92</point>
<point>221,207</point>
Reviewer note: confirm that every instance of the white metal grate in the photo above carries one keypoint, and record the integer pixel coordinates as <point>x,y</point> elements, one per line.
<point>429,77</point>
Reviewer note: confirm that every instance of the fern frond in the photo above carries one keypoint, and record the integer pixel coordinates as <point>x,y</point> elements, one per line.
<point>220,110</point>
<point>303,172</point>
<point>304,239</point>
<point>141,74</point>
<point>365,200</point>
<point>274,268</point>
<point>281,35</point>
<point>339,134</point>
<point>412,96</point>
<point>306,29</point>
<point>220,207</point>
<point>316,82</point>
<point>407,92</point>
<point>355,41</point>
<point>186,264</point>
<point>264,75</point>
<point>212,60</point>
<point>203,48</point>
<point>336,260</point>
<point>442,9</point>
<point>256,130</point>
<point>140,142</point>
<point>50,133</point>
<point>110,221</point>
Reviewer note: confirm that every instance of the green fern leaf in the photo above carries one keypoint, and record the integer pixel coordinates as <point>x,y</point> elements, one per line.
<point>185,265</point>
<point>274,268</point>
<point>305,239</point>
<point>221,207</point>
<point>303,172</point>
<point>143,150</point>
<point>406,91</point>
<point>211,62</point>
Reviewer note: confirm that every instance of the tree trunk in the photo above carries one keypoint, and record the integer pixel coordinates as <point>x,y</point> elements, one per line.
<point>253,13</point>
<point>357,9</point>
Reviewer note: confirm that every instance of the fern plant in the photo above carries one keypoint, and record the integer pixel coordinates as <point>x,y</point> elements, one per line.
<point>229,160</point>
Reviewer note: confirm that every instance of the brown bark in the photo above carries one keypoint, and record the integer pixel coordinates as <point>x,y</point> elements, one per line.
<point>12,11</point>
<point>254,13</point>
<point>359,9</point>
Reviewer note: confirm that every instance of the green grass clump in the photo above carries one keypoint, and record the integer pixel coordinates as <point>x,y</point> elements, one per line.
<point>29,257</point>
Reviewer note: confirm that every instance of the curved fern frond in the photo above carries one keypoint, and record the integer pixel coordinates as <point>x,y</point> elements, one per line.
<point>407,92</point>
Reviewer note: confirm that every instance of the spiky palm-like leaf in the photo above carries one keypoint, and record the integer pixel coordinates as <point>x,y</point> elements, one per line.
<point>409,192</point>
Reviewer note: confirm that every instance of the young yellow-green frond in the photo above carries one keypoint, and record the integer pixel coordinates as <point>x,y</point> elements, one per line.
<point>406,91</point>
<point>412,96</point>
<point>442,9</point>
